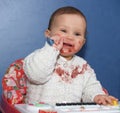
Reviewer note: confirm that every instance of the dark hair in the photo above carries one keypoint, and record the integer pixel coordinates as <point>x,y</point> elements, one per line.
<point>66,10</point>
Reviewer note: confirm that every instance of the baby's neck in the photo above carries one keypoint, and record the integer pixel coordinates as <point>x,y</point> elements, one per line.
<point>68,57</point>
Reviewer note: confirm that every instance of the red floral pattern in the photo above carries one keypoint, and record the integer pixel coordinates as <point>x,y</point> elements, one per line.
<point>14,83</point>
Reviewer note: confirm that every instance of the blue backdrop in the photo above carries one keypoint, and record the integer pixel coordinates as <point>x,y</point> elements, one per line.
<point>22,25</point>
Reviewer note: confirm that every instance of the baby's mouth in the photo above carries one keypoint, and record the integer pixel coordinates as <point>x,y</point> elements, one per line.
<point>67,45</point>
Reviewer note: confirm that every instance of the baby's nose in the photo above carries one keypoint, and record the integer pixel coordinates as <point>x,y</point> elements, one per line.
<point>69,37</point>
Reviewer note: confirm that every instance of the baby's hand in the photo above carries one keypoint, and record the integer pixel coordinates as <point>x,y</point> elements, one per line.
<point>58,42</point>
<point>105,99</point>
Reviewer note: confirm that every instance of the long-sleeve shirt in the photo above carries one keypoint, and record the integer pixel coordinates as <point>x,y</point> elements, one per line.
<point>53,79</point>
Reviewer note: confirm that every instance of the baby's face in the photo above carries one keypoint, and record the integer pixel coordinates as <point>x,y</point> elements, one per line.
<point>71,28</point>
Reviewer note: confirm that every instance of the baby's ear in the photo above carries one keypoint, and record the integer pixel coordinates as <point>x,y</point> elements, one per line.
<point>47,33</point>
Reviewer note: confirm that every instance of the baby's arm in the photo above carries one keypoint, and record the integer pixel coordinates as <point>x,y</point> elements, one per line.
<point>39,65</point>
<point>92,86</point>
<point>93,91</point>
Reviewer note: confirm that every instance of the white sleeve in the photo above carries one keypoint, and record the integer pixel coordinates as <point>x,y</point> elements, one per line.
<point>39,65</point>
<point>92,86</point>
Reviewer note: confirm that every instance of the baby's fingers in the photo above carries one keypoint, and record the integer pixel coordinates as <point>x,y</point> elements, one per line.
<point>112,100</point>
<point>59,44</point>
<point>109,100</point>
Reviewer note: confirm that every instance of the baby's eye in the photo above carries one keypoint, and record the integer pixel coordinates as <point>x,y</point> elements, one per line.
<point>63,30</point>
<point>77,34</point>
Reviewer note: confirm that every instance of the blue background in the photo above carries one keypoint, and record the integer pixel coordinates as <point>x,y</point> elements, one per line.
<point>23,22</point>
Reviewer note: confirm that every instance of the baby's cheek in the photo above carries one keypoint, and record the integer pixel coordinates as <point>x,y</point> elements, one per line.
<point>78,46</point>
<point>75,50</point>
<point>80,42</point>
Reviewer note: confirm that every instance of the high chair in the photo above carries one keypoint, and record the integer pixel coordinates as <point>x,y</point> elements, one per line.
<point>14,87</point>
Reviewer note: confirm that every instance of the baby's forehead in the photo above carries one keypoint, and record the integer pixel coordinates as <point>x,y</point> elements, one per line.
<point>67,16</point>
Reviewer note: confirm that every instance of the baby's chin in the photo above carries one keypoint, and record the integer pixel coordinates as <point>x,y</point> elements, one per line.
<point>66,54</point>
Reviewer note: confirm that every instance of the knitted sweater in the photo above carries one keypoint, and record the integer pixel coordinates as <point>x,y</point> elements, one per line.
<point>53,79</point>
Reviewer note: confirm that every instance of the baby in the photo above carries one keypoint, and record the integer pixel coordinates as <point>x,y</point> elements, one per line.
<point>55,74</point>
